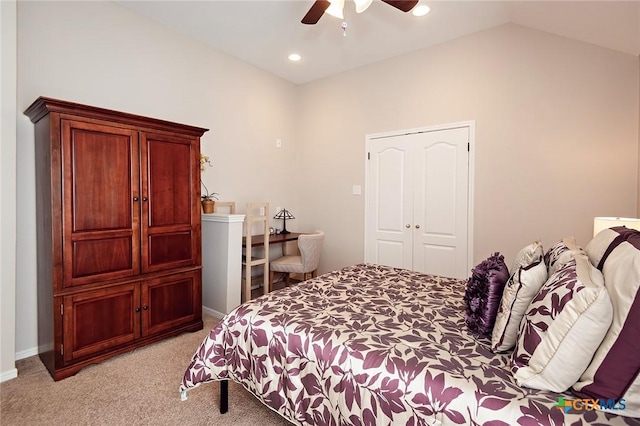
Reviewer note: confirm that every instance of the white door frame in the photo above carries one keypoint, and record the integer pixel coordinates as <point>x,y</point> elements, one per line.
<point>471,126</point>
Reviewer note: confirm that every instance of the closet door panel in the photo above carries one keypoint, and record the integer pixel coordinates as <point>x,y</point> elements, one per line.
<point>417,201</point>
<point>441,202</point>
<point>390,204</point>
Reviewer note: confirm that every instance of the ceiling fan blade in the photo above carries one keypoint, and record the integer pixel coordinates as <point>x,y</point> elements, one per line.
<point>315,13</point>
<point>403,5</point>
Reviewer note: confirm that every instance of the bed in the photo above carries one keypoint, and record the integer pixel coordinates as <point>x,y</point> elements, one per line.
<point>374,345</point>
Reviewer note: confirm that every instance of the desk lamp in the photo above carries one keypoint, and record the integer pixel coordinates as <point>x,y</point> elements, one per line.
<point>284,214</point>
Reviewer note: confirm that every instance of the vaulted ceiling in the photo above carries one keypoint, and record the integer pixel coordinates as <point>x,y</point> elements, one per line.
<point>265,32</point>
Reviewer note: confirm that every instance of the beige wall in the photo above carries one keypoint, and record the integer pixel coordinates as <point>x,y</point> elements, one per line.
<point>556,125</point>
<point>102,54</point>
<point>8,190</point>
<point>556,135</point>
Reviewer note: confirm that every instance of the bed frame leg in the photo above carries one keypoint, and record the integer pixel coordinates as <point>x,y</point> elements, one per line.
<point>224,396</point>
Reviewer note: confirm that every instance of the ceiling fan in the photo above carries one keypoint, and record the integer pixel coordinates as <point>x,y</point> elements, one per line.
<point>335,8</point>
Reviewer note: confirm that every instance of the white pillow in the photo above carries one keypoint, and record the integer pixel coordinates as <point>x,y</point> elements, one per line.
<point>604,241</point>
<point>560,253</point>
<point>523,285</point>
<point>527,255</point>
<point>614,372</point>
<point>564,325</point>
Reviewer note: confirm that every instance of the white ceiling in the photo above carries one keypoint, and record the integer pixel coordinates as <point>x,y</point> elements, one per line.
<point>263,33</point>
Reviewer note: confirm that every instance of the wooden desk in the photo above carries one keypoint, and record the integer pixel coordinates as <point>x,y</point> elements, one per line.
<point>258,240</point>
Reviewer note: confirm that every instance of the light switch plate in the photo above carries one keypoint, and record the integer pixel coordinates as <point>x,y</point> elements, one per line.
<point>357,190</point>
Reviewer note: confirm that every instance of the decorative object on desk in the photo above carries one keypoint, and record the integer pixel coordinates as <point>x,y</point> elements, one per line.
<point>208,199</point>
<point>284,214</point>
<point>204,162</point>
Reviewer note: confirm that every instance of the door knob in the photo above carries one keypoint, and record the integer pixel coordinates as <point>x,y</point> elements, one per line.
<point>417,226</point>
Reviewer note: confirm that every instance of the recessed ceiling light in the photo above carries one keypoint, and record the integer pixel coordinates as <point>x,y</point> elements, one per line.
<point>420,10</point>
<point>294,57</point>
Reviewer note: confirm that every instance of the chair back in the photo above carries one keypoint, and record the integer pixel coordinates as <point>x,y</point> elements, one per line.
<point>310,246</point>
<point>230,205</point>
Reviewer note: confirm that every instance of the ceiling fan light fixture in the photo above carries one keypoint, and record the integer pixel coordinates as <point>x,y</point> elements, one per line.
<point>336,8</point>
<point>362,5</point>
<point>420,10</point>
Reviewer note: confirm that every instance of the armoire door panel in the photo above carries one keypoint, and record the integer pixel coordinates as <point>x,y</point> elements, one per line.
<point>168,175</point>
<point>101,177</point>
<point>166,249</point>
<point>108,255</point>
<point>169,201</point>
<point>101,218</point>
<point>100,320</point>
<point>171,301</point>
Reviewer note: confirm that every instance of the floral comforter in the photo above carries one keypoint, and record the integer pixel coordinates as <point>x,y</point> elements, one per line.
<point>373,345</point>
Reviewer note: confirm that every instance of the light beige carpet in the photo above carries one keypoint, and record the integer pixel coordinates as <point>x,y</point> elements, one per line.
<point>136,388</point>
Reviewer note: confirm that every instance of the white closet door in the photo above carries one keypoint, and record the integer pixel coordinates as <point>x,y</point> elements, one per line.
<point>441,176</point>
<point>390,202</point>
<point>417,201</point>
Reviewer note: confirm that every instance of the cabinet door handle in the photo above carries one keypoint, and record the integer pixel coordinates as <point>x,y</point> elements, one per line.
<point>408,225</point>
<point>417,226</point>
<point>145,307</point>
<point>144,198</point>
<point>136,199</point>
<point>138,309</point>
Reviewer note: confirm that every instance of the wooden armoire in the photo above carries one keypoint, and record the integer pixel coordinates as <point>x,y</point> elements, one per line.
<point>118,232</point>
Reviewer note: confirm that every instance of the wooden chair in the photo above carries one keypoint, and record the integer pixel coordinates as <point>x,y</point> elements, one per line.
<point>306,263</point>
<point>256,213</point>
<point>228,207</point>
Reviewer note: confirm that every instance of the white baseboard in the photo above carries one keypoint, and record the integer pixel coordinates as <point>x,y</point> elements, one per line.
<point>212,312</point>
<point>34,351</point>
<point>8,375</point>
<point>27,353</point>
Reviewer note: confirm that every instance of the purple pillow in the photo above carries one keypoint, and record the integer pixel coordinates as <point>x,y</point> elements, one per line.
<point>483,294</point>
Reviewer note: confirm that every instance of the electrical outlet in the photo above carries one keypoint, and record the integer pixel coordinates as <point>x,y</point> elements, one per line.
<point>278,143</point>
<point>356,190</point>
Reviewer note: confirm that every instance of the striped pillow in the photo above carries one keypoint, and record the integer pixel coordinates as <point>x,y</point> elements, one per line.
<point>564,325</point>
<point>605,241</point>
<point>614,372</point>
